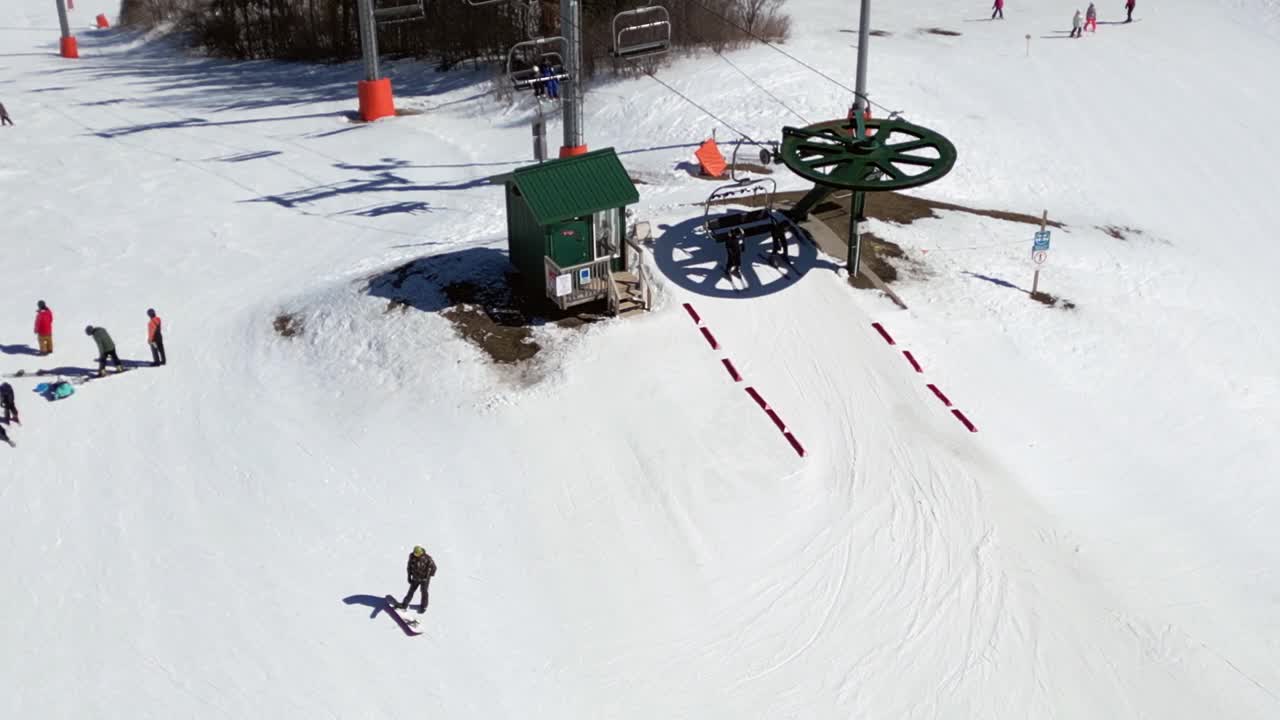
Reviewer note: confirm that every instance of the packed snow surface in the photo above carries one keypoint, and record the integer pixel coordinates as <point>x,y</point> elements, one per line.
<point>621,532</point>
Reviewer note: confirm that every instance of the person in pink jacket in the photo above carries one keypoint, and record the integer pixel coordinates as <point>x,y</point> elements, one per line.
<point>1128,6</point>
<point>997,10</point>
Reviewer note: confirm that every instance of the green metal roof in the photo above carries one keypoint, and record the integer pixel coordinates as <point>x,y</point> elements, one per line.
<point>558,190</point>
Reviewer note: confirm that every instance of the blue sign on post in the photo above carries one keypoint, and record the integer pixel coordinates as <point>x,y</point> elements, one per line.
<point>1041,241</point>
<point>584,276</point>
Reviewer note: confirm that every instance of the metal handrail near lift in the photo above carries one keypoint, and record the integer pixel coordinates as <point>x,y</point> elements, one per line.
<point>478,3</point>
<point>389,12</point>
<point>749,220</point>
<point>655,33</point>
<point>529,78</point>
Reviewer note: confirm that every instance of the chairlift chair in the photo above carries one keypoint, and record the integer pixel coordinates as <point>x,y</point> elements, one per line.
<point>751,221</point>
<point>641,32</point>
<point>531,77</point>
<point>388,12</point>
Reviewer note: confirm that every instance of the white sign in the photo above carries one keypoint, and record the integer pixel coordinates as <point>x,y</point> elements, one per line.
<point>1039,257</point>
<point>564,284</point>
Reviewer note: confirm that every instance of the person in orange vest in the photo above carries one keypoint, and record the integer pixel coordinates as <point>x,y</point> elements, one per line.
<point>155,338</point>
<point>44,328</point>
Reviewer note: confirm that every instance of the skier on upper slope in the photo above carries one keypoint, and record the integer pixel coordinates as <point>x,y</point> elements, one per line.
<point>997,10</point>
<point>4,116</point>
<point>1128,6</point>
<point>420,569</point>
<point>1091,18</point>
<point>1076,24</point>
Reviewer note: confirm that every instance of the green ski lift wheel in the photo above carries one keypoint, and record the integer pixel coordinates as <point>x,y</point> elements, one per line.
<point>867,155</point>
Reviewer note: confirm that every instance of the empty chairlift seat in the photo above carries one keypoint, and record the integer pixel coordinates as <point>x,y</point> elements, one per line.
<point>386,12</point>
<point>641,32</point>
<point>720,217</point>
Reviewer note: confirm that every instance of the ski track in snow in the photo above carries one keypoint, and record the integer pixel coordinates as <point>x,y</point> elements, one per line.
<point>629,536</point>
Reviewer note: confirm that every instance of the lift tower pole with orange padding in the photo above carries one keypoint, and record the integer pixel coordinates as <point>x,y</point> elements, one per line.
<point>67,44</point>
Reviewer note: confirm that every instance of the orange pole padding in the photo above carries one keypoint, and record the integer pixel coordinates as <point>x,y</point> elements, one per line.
<point>573,150</point>
<point>68,48</point>
<point>376,100</point>
<point>102,21</point>
<point>710,158</point>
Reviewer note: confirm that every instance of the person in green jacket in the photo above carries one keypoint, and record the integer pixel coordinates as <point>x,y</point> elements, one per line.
<point>106,349</point>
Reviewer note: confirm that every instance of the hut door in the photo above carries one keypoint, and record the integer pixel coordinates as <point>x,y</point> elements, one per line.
<point>570,243</point>
<point>608,239</point>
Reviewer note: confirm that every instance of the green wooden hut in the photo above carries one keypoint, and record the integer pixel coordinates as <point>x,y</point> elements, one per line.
<point>566,225</point>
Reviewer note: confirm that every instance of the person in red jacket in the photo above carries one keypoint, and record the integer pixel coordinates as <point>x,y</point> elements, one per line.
<point>1128,6</point>
<point>155,338</point>
<point>997,9</point>
<point>44,328</point>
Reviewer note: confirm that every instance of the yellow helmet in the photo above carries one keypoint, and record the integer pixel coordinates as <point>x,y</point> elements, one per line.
<point>418,550</point>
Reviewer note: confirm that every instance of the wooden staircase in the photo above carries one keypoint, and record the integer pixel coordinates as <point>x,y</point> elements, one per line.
<point>631,298</point>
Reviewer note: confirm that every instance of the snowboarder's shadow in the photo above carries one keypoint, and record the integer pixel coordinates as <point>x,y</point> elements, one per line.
<point>379,604</point>
<point>18,350</point>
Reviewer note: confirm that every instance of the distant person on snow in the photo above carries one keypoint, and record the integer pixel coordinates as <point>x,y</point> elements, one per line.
<point>4,116</point>
<point>155,338</point>
<point>779,233</point>
<point>1128,6</point>
<point>420,569</point>
<point>1076,24</point>
<point>997,10</point>
<point>1091,18</point>
<point>733,251</point>
<point>106,349</point>
<point>4,437</point>
<point>7,403</point>
<point>44,328</point>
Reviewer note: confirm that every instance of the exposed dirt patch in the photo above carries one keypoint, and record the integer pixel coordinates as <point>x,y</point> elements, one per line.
<point>1052,301</point>
<point>483,300</point>
<point>1119,232</point>
<point>940,31</point>
<point>288,325</point>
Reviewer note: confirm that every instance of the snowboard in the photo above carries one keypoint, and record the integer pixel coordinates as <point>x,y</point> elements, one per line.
<point>93,376</point>
<point>408,625</point>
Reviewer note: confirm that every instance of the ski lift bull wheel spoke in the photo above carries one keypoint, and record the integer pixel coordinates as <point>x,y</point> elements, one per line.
<point>892,154</point>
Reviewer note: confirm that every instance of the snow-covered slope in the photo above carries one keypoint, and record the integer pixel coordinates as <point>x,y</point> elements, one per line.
<point>621,533</point>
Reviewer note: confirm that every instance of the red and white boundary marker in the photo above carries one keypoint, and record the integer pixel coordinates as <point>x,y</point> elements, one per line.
<point>737,377</point>
<point>915,365</point>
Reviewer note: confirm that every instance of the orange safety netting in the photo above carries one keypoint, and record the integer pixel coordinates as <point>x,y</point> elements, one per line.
<point>710,158</point>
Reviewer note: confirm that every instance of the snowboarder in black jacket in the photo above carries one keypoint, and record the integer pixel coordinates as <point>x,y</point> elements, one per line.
<point>779,233</point>
<point>7,403</point>
<point>420,569</point>
<point>4,116</point>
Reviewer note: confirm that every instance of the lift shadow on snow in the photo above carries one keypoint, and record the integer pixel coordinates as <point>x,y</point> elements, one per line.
<point>688,257</point>
<point>478,293</point>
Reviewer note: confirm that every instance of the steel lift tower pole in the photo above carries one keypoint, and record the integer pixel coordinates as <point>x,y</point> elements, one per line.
<point>571,97</point>
<point>859,108</point>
